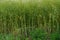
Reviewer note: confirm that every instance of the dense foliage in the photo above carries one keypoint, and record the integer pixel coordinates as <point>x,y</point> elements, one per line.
<point>31,20</point>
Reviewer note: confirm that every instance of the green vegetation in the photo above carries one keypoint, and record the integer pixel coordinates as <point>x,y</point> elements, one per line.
<point>30,21</point>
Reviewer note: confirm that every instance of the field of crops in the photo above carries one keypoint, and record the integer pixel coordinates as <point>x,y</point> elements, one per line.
<point>33,20</point>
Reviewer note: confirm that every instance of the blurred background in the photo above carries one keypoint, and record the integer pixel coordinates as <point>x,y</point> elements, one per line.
<point>29,19</point>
